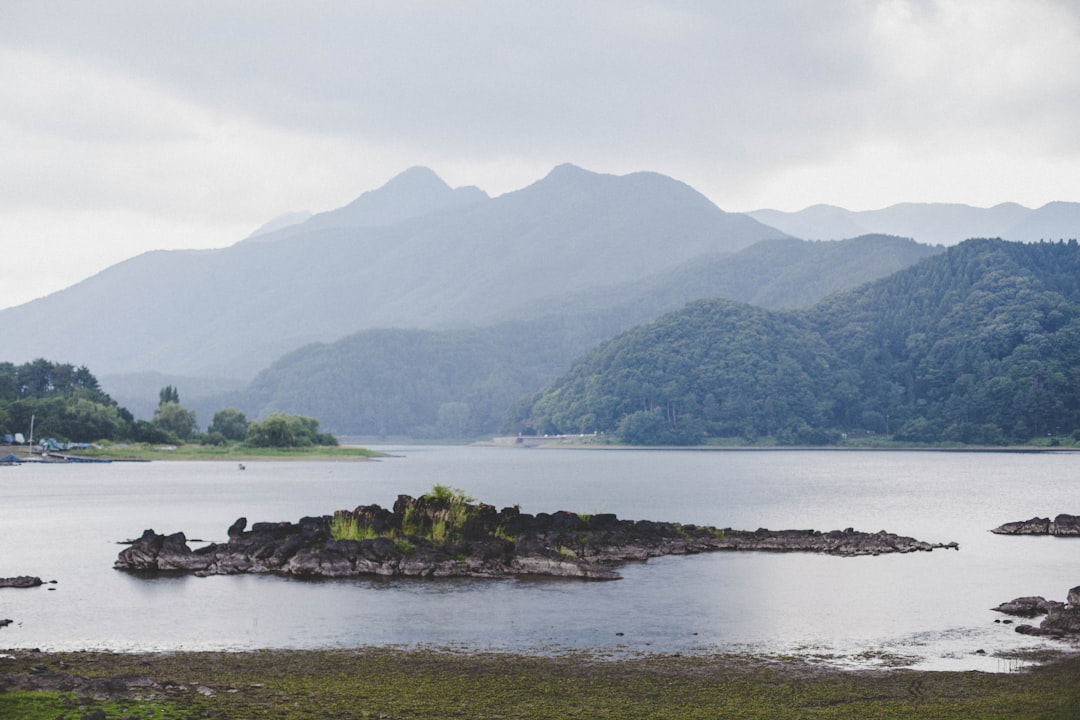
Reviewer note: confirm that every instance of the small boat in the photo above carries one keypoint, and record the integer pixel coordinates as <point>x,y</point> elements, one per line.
<point>11,459</point>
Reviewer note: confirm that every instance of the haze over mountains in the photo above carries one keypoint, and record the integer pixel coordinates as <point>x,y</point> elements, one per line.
<point>447,258</point>
<point>931,223</point>
<point>460,383</point>
<point>500,293</point>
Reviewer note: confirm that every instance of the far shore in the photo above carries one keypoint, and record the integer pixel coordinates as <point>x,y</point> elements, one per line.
<point>121,452</point>
<point>587,442</point>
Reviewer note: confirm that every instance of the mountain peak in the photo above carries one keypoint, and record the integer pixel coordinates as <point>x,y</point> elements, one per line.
<point>415,178</point>
<point>413,193</point>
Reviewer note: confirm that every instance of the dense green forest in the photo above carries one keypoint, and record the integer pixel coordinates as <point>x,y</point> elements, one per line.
<point>43,399</point>
<point>460,383</point>
<point>64,401</point>
<point>980,344</point>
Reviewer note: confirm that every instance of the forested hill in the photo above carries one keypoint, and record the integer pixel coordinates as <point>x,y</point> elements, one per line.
<point>461,383</point>
<point>980,344</point>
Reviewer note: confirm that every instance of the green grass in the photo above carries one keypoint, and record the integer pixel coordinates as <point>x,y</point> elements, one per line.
<point>25,705</point>
<point>344,526</point>
<point>371,683</point>
<point>143,451</point>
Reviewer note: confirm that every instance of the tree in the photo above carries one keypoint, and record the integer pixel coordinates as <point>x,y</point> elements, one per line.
<point>281,430</point>
<point>176,419</point>
<point>86,420</point>
<point>230,423</point>
<point>168,394</point>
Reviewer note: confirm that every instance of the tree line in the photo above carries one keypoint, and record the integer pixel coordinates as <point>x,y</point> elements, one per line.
<point>43,399</point>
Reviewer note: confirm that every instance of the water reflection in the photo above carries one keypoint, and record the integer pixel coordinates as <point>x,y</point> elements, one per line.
<point>926,609</point>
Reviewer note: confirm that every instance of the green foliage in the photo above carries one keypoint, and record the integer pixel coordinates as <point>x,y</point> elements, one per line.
<point>231,423</point>
<point>175,419</point>
<point>65,402</point>
<point>283,431</point>
<point>412,521</point>
<point>343,526</point>
<point>168,394</point>
<point>446,494</point>
<point>978,345</point>
<point>144,431</point>
<point>439,515</point>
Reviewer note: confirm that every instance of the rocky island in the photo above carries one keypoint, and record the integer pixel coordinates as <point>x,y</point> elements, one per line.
<point>1063,525</point>
<point>445,534</point>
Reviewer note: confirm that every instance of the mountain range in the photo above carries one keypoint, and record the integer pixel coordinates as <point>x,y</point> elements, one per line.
<point>549,271</point>
<point>416,254</point>
<point>460,383</point>
<point>931,223</point>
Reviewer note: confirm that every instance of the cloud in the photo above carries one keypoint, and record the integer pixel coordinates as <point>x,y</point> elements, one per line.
<point>142,125</point>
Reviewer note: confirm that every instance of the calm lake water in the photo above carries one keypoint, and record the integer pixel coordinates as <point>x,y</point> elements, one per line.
<point>928,610</point>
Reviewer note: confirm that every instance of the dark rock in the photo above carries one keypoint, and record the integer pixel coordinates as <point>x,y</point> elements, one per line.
<point>1062,619</point>
<point>236,530</point>
<point>5,623</point>
<point>1065,525</point>
<point>22,581</point>
<point>1027,606</point>
<point>1062,525</point>
<point>473,539</point>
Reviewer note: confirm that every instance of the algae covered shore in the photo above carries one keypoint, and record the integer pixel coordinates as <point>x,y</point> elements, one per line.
<point>439,683</point>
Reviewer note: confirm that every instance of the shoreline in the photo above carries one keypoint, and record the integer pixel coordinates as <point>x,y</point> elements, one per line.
<point>444,682</point>
<point>569,444</point>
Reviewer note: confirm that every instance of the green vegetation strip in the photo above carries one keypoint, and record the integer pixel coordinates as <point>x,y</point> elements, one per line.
<point>234,452</point>
<point>389,683</point>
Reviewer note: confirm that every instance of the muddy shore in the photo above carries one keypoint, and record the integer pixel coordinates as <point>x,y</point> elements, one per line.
<point>440,683</point>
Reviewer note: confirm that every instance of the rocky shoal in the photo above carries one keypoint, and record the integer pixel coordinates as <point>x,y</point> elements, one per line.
<point>1062,618</point>
<point>1062,525</point>
<point>429,537</point>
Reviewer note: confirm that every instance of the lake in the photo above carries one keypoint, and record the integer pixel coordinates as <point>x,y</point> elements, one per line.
<point>926,610</point>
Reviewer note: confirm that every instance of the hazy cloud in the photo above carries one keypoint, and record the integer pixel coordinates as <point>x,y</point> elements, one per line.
<point>131,125</point>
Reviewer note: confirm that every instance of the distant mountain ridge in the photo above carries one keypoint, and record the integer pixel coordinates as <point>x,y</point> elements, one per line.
<point>414,193</point>
<point>413,254</point>
<point>931,223</point>
<point>461,383</point>
<point>979,344</point>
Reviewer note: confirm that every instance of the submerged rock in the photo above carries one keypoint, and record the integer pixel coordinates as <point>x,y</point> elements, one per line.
<point>442,537</point>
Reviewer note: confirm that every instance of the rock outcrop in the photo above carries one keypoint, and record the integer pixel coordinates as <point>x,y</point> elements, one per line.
<point>440,537</point>
<point>22,581</point>
<point>1062,525</point>
<point>1062,618</point>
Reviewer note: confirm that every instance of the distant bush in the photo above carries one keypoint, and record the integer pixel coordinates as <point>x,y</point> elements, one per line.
<point>282,431</point>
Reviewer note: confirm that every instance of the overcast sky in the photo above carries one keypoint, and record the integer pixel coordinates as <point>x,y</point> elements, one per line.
<point>129,126</point>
